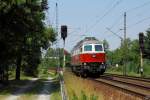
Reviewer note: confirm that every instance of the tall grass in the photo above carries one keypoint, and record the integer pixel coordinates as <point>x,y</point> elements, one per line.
<point>83,96</point>
<point>83,89</point>
<point>80,89</point>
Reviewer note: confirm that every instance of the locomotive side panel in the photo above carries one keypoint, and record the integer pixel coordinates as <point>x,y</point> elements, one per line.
<point>75,57</point>
<point>75,60</point>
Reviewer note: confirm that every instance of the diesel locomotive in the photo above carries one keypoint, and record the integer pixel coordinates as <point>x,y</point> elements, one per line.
<point>88,57</point>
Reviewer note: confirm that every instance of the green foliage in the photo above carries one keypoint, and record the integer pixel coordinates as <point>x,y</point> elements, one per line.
<point>106,45</point>
<point>23,34</point>
<point>74,97</point>
<point>147,44</point>
<point>132,58</point>
<point>51,58</point>
<point>129,55</point>
<point>92,97</point>
<point>83,96</point>
<point>147,68</point>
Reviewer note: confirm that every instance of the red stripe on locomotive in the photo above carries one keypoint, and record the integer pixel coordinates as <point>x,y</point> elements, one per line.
<point>95,57</point>
<point>88,57</point>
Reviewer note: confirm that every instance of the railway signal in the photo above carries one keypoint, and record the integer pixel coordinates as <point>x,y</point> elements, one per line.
<point>64,36</point>
<point>141,44</point>
<point>63,32</point>
<point>141,41</point>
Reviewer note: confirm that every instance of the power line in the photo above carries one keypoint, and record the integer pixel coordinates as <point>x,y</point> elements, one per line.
<point>72,32</point>
<point>140,21</point>
<point>115,23</point>
<point>135,8</point>
<point>105,14</point>
<point>114,33</point>
<point>130,10</point>
<point>140,6</point>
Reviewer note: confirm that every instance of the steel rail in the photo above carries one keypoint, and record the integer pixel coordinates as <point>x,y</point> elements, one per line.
<point>128,77</point>
<point>133,88</point>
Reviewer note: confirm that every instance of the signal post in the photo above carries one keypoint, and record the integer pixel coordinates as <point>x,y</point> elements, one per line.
<point>64,36</point>
<point>141,44</point>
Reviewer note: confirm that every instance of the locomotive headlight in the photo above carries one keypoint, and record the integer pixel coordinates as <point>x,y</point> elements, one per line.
<point>94,55</point>
<point>84,64</point>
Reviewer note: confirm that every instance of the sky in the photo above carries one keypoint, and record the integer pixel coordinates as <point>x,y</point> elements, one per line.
<point>93,17</point>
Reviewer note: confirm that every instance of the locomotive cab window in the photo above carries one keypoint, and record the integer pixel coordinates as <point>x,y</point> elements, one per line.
<point>98,48</point>
<point>88,48</point>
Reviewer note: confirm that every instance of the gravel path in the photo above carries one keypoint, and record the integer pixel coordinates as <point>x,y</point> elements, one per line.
<point>49,87</point>
<point>45,93</point>
<point>16,94</point>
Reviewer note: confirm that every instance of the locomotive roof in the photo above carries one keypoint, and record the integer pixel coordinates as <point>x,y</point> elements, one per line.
<point>86,40</point>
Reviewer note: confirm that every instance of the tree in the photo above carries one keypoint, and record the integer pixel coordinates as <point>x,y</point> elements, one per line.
<point>23,33</point>
<point>106,45</point>
<point>51,58</point>
<point>147,44</point>
<point>134,56</point>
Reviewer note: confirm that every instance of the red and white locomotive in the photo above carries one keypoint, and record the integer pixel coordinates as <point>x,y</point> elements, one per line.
<point>88,56</point>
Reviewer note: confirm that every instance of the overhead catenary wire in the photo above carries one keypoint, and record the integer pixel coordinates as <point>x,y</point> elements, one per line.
<point>105,14</point>
<point>137,7</point>
<point>115,33</point>
<point>114,23</point>
<point>130,10</point>
<point>138,22</point>
<point>73,31</point>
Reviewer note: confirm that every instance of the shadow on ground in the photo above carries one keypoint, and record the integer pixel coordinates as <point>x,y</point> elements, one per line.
<point>31,87</point>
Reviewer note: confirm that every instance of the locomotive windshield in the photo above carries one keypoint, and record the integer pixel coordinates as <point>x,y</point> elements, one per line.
<point>98,48</point>
<point>88,48</point>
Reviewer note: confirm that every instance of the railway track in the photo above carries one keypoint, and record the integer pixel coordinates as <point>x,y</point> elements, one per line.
<point>128,77</point>
<point>138,86</point>
<point>145,83</point>
<point>131,85</point>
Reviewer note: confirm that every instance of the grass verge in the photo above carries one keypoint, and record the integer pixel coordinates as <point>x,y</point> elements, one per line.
<point>56,95</point>
<point>34,91</point>
<point>81,89</point>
